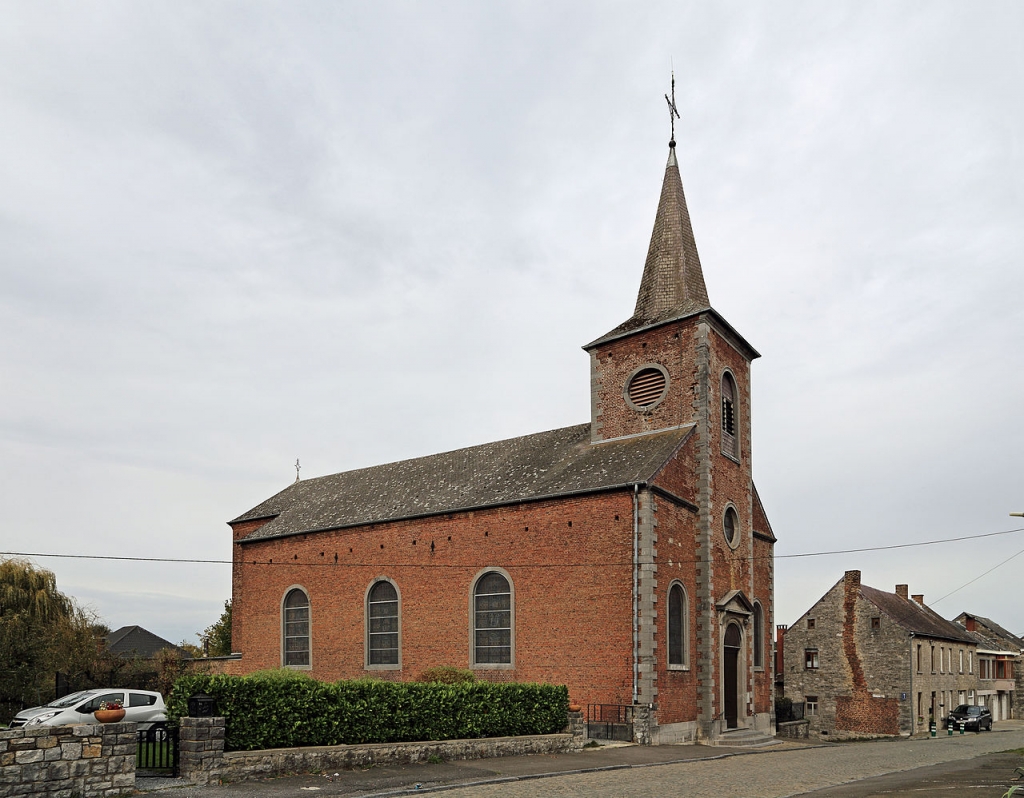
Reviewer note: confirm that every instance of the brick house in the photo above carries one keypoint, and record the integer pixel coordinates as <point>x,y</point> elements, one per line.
<point>870,663</point>
<point>999,666</point>
<point>628,558</point>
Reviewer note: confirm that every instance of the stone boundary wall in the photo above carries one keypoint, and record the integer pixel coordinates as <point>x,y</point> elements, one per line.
<point>64,761</point>
<point>203,759</point>
<point>794,729</point>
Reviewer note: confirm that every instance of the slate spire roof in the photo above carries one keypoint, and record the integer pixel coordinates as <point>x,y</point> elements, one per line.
<point>673,283</point>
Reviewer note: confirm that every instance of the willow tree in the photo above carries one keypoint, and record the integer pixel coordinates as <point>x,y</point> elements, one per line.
<point>42,631</point>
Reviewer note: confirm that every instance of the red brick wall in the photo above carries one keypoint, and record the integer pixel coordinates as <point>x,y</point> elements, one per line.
<point>672,347</point>
<point>572,587</point>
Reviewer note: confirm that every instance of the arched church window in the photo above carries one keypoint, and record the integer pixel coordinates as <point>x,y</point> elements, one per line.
<point>492,620</point>
<point>730,420</point>
<point>758,636</point>
<point>382,624</point>
<point>677,626</point>
<point>295,623</point>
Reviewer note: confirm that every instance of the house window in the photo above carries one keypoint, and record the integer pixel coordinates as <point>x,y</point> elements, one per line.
<point>492,620</point>
<point>811,658</point>
<point>758,636</point>
<point>970,662</point>
<point>933,659</point>
<point>382,630</point>
<point>810,623</point>
<point>876,624</point>
<point>918,657</point>
<point>730,423</point>
<point>961,663</point>
<point>811,705</point>
<point>295,622</point>
<point>677,626</point>
<point>942,659</point>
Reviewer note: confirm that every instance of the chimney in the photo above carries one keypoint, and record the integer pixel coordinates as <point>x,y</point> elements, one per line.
<point>851,580</point>
<point>972,625</point>
<point>903,591</point>
<point>919,598</point>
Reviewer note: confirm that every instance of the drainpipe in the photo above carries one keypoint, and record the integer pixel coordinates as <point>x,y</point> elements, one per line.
<point>910,698</point>
<point>636,593</point>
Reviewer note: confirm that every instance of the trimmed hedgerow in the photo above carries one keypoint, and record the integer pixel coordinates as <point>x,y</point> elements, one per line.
<point>275,710</point>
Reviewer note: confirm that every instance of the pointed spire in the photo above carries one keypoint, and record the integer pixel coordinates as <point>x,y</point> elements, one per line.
<point>673,282</point>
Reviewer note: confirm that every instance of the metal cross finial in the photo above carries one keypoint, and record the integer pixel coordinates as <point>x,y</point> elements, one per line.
<point>298,468</point>
<point>673,114</point>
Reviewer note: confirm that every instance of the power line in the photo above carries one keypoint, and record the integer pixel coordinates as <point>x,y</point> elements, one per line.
<point>990,570</point>
<point>605,563</point>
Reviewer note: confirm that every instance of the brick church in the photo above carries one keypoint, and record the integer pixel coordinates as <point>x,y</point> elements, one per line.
<point>628,557</point>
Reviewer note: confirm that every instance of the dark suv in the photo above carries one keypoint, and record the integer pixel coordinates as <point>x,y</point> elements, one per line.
<point>976,718</point>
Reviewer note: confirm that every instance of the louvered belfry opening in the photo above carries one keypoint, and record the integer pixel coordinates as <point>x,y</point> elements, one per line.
<point>646,387</point>
<point>729,416</point>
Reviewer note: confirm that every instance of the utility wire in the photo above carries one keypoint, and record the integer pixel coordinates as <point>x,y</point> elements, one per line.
<point>990,570</point>
<point>606,563</point>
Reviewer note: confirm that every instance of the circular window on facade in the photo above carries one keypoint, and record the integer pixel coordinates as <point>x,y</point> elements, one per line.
<point>731,526</point>
<point>647,387</point>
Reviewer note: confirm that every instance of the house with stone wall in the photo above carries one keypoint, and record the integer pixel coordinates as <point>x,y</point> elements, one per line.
<point>1000,671</point>
<point>871,663</point>
<point>628,557</point>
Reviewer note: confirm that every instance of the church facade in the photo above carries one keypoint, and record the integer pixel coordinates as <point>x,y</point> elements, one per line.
<point>628,558</point>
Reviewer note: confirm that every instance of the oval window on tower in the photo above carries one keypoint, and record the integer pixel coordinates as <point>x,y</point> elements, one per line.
<point>646,387</point>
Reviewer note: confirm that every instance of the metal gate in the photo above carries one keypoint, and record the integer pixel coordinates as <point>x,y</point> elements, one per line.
<point>157,751</point>
<point>610,722</point>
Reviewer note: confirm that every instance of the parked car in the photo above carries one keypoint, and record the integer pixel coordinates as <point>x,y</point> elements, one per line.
<point>144,707</point>
<point>975,718</point>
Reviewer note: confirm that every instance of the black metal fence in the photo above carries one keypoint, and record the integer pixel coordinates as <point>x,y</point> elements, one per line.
<point>786,711</point>
<point>610,722</point>
<point>157,751</point>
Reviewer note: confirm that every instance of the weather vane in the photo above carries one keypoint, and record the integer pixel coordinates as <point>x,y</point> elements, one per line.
<point>298,468</point>
<point>673,114</point>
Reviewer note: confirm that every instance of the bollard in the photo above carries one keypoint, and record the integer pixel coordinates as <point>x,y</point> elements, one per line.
<point>931,728</point>
<point>962,724</point>
<point>949,724</point>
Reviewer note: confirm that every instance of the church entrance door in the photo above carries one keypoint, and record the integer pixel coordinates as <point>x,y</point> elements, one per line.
<point>730,675</point>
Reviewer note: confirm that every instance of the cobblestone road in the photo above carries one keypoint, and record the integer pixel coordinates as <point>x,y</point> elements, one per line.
<point>768,775</point>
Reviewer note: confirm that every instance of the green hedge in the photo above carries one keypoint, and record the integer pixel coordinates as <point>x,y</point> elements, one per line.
<point>269,710</point>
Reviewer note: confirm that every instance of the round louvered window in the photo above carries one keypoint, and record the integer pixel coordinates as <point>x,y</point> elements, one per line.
<point>646,387</point>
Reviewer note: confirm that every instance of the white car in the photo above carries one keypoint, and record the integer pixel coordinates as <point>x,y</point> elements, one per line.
<point>141,706</point>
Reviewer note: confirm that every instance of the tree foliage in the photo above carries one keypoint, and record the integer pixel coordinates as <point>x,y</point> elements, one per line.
<point>42,631</point>
<point>216,639</point>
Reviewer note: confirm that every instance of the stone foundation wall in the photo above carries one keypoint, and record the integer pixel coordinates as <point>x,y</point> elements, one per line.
<point>203,759</point>
<point>81,761</point>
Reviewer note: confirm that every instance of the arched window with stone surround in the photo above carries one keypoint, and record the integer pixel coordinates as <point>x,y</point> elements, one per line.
<point>493,620</point>
<point>678,626</point>
<point>758,635</point>
<point>383,647</point>
<point>295,647</point>
<point>730,416</point>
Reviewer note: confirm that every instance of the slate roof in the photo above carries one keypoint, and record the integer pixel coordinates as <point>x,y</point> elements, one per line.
<point>914,617</point>
<point>138,642</point>
<point>550,464</point>
<point>999,634</point>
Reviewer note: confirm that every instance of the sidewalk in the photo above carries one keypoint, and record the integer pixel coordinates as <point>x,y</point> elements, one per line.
<point>423,778</point>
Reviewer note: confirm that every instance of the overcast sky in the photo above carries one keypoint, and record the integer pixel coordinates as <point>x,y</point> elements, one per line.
<point>237,234</point>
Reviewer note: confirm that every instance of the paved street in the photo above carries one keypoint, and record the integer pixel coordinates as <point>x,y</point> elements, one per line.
<point>786,770</point>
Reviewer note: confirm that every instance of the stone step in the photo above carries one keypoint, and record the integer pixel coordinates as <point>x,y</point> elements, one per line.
<point>744,738</point>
